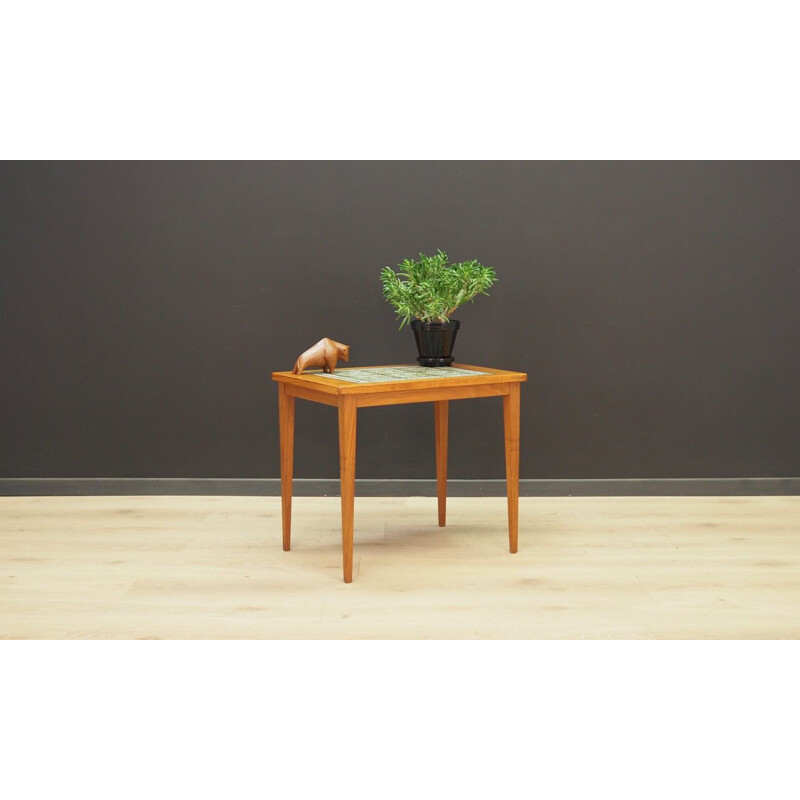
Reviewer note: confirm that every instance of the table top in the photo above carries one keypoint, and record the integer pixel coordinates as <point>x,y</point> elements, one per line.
<point>389,377</point>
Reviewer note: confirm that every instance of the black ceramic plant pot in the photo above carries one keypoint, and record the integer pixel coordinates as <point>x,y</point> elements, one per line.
<point>435,342</point>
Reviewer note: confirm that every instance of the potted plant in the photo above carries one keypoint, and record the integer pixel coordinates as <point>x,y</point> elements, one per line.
<point>426,292</point>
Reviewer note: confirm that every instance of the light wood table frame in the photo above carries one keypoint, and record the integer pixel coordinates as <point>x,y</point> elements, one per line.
<point>348,396</point>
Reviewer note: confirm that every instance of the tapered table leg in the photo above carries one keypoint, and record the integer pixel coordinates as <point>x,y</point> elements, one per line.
<point>440,411</point>
<point>286,417</point>
<point>511,428</point>
<point>347,472</point>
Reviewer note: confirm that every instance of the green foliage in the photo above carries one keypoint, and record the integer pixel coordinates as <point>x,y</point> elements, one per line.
<point>431,289</point>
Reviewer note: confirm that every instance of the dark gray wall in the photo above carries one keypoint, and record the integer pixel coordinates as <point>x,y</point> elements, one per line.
<point>654,306</point>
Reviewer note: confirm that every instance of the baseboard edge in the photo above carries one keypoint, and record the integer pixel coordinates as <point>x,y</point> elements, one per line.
<point>367,487</point>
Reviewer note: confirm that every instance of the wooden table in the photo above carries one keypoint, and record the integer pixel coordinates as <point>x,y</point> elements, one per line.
<point>348,396</point>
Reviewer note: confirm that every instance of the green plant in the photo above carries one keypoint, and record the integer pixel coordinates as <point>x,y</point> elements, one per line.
<point>431,289</point>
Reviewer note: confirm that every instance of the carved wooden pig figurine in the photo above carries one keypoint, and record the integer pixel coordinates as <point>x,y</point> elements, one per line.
<point>325,353</point>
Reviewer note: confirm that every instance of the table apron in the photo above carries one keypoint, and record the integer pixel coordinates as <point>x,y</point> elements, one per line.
<point>400,396</point>
<point>328,398</point>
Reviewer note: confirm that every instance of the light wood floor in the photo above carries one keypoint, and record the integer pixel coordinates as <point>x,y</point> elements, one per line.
<point>213,568</point>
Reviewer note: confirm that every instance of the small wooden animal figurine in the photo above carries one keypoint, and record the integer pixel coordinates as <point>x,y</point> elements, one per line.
<point>325,353</point>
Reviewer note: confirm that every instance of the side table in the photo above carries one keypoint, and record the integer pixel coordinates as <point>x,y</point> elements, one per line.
<point>359,387</point>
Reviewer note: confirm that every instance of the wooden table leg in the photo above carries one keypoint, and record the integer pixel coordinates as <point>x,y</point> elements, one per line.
<point>440,410</point>
<point>347,472</point>
<point>511,428</point>
<point>286,417</point>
